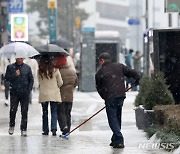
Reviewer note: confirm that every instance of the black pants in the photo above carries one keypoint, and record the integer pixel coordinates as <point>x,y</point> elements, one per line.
<point>14,102</point>
<point>6,91</point>
<point>114,114</point>
<point>64,115</point>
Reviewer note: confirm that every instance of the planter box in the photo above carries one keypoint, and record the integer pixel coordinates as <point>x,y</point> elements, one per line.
<point>144,118</point>
<point>139,114</point>
<point>148,118</point>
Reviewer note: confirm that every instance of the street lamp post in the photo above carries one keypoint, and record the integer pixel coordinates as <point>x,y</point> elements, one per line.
<point>179,19</point>
<point>146,41</point>
<point>146,19</point>
<point>3,22</point>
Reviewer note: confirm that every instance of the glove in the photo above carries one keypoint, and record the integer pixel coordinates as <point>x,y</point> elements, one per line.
<point>136,83</point>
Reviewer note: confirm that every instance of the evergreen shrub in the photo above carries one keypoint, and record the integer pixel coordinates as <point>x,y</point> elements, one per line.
<point>144,85</point>
<point>158,92</point>
<point>153,91</point>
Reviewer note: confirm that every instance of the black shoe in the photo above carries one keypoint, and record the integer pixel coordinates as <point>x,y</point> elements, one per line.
<point>45,133</point>
<point>118,146</point>
<point>53,133</point>
<point>11,130</point>
<point>111,144</point>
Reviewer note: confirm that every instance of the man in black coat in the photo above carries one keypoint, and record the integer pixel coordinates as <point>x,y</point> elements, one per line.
<point>21,82</point>
<point>111,88</point>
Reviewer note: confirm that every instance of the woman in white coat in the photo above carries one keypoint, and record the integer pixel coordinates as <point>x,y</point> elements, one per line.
<point>50,81</point>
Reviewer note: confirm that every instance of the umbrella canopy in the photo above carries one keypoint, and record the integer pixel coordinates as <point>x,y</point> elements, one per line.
<point>51,50</point>
<point>19,50</point>
<point>63,43</point>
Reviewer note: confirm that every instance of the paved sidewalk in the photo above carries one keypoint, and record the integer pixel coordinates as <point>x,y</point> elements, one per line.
<point>93,137</point>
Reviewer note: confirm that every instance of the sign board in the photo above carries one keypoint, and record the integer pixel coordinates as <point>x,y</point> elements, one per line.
<point>52,27</point>
<point>172,6</point>
<point>133,21</point>
<point>88,60</point>
<point>19,27</point>
<point>15,6</point>
<point>52,20</point>
<point>77,22</point>
<point>88,29</point>
<point>52,4</point>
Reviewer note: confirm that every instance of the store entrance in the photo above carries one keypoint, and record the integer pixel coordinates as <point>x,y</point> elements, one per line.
<point>169,60</point>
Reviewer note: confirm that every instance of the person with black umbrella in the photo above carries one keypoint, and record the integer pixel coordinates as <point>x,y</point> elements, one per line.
<point>50,81</point>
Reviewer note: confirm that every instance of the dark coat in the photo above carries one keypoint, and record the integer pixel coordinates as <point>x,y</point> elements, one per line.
<point>21,84</point>
<point>110,80</point>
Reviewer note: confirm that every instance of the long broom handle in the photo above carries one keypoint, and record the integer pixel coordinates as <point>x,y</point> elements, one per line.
<point>87,120</point>
<point>91,117</point>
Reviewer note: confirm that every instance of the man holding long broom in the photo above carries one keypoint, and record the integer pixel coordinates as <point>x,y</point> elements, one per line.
<point>111,88</point>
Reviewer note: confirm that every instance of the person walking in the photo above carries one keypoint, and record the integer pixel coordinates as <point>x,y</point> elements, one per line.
<point>137,65</point>
<point>3,64</point>
<point>69,78</point>
<point>20,77</point>
<point>129,58</point>
<point>6,83</point>
<point>111,88</point>
<point>128,61</point>
<point>50,81</point>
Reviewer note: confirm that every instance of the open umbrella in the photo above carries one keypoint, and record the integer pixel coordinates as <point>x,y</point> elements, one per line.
<point>51,50</point>
<point>19,50</point>
<point>63,43</point>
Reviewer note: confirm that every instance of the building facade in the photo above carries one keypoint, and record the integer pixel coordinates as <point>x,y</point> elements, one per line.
<point>113,15</point>
<point>106,15</point>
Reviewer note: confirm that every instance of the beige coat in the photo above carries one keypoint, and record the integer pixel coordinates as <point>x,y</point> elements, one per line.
<point>49,89</point>
<point>69,83</point>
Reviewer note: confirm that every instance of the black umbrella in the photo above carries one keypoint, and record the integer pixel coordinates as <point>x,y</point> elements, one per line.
<point>51,50</point>
<point>63,43</point>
